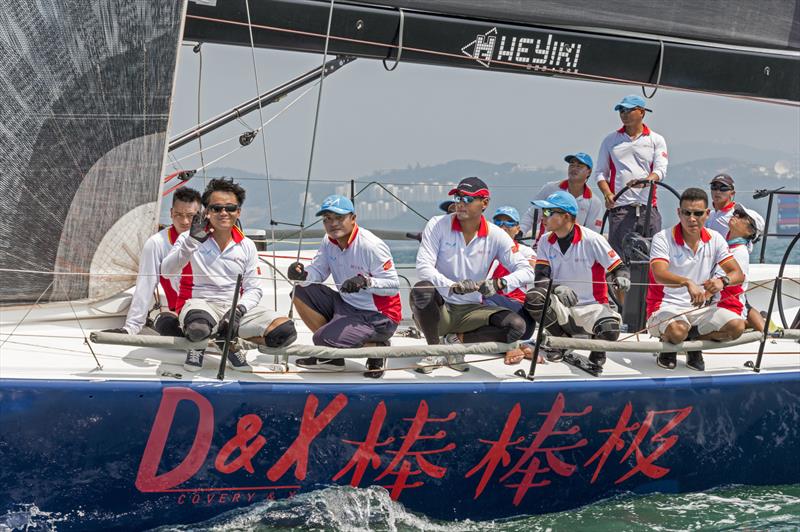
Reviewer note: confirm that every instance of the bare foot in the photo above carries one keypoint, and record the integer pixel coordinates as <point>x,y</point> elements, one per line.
<point>515,356</point>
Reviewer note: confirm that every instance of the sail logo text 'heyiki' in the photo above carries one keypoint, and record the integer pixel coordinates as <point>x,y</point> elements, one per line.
<point>537,53</point>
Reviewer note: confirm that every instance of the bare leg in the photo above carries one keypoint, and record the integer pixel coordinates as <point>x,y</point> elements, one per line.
<point>755,320</point>
<point>260,339</point>
<point>730,331</point>
<point>313,319</point>
<point>676,332</point>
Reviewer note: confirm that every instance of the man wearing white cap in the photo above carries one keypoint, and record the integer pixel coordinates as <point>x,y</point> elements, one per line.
<point>366,309</point>
<point>590,205</point>
<point>580,264</point>
<point>632,155</point>
<point>454,257</point>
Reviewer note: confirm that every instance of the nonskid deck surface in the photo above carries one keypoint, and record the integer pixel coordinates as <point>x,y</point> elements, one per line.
<point>49,344</point>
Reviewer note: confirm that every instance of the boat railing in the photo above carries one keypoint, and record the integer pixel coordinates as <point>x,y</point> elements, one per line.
<point>763,193</point>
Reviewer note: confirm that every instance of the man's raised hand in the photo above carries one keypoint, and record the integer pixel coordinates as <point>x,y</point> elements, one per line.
<point>200,229</point>
<point>297,272</point>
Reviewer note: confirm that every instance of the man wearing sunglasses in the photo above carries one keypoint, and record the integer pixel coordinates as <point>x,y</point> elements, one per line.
<point>217,252</point>
<point>581,264</point>
<point>633,155</point>
<point>722,194</point>
<point>683,262</point>
<point>366,310</point>
<point>590,206</point>
<point>454,257</point>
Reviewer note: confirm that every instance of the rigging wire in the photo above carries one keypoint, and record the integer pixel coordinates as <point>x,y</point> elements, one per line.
<point>198,49</point>
<point>658,79</point>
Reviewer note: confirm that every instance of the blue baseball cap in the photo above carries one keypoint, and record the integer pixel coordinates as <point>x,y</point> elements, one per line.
<point>582,157</point>
<point>509,211</point>
<point>559,200</point>
<point>445,205</point>
<point>631,101</point>
<point>337,204</point>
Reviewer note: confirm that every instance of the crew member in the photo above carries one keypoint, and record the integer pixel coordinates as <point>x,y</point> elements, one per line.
<point>632,155</point>
<point>580,264</point>
<point>453,259</point>
<point>590,206</point>
<point>683,260</point>
<point>185,204</point>
<point>218,252</point>
<point>722,194</point>
<point>366,310</point>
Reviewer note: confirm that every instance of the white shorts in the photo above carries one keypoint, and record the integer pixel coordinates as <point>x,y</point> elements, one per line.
<point>707,320</point>
<point>584,316</point>
<point>254,323</point>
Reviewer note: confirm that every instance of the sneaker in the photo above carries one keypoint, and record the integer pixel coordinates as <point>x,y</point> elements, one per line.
<point>374,368</point>
<point>552,355</point>
<point>667,360</point>
<point>456,362</point>
<point>194,360</point>
<point>237,360</point>
<point>430,363</point>
<point>597,357</point>
<point>694,360</point>
<point>324,364</point>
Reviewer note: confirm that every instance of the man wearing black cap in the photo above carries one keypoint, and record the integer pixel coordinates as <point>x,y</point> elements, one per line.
<point>454,257</point>
<point>722,193</point>
<point>632,155</point>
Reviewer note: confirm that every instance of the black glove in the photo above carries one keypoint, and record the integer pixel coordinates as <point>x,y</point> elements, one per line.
<point>118,330</point>
<point>198,229</point>
<point>566,295</point>
<point>231,320</point>
<point>465,287</point>
<point>354,284</point>
<point>297,272</point>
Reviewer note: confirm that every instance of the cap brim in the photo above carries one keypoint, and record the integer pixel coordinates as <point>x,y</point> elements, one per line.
<point>621,106</point>
<point>544,204</point>
<point>333,210</point>
<point>481,193</point>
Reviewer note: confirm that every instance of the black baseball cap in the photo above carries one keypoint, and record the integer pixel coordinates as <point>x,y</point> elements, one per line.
<point>471,186</point>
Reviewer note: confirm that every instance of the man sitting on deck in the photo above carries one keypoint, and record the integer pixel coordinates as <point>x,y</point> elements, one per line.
<point>579,262</point>
<point>366,310</point>
<point>185,204</point>
<point>452,262</point>
<point>683,260</point>
<point>218,252</point>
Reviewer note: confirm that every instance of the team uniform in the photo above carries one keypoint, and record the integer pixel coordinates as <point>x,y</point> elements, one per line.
<point>589,257</point>
<point>444,259</point>
<point>720,220</point>
<point>155,249</point>
<point>369,315</point>
<point>590,208</point>
<point>623,159</point>
<point>212,281</point>
<point>666,304</point>
<point>733,297</point>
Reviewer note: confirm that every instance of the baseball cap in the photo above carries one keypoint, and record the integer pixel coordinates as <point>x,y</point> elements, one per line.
<point>722,178</point>
<point>631,101</point>
<point>336,204</point>
<point>559,200</point>
<point>445,205</point>
<point>582,157</point>
<point>509,211</point>
<point>758,221</point>
<point>471,186</point>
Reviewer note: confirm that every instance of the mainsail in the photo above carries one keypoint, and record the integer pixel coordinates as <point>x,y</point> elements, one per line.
<point>86,97</point>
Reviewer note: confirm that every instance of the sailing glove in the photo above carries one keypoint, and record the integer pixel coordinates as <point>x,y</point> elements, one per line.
<point>566,295</point>
<point>231,320</point>
<point>199,229</point>
<point>466,286</point>
<point>623,284</point>
<point>297,272</point>
<point>354,284</point>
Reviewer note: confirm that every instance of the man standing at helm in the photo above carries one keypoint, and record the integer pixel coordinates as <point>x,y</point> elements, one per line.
<point>632,155</point>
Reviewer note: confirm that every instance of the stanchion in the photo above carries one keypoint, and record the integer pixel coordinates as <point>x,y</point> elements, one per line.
<point>539,334</point>
<point>229,332</point>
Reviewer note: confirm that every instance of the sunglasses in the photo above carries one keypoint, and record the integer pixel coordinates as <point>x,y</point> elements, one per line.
<point>625,110</point>
<point>466,199</point>
<point>696,214</point>
<point>505,223</point>
<point>721,188</point>
<point>550,212</point>
<point>746,217</point>
<point>228,207</point>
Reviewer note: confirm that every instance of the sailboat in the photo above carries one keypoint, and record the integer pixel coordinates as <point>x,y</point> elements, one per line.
<point>104,435</point>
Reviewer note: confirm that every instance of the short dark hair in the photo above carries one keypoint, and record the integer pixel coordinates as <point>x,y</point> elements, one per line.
<point>223,184</point>
<point>189,195</point>
<point>694,194</point>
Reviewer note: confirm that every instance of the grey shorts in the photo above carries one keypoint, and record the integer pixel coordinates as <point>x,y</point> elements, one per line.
<point>629,218</point>
<point>347,325</point>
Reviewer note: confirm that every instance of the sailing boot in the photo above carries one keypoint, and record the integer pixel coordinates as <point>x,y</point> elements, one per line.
<point>694,360</point>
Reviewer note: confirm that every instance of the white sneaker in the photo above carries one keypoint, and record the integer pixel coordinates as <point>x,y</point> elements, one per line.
<point>456,362</point>
<point>194,360</point>
<point>430,363</point>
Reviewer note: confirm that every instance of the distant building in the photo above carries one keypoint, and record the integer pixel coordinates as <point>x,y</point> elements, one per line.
<point>788,219</point>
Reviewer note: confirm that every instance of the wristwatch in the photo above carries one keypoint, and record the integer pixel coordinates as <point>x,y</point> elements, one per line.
<point>725,280</point>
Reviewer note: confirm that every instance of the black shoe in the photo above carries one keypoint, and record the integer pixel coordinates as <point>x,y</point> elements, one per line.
<point>694,360</point>
<point>324,364</point>
<point>374,368</point>
<point>597,357</point>
<point>237,360</point>
<point>667,360</point>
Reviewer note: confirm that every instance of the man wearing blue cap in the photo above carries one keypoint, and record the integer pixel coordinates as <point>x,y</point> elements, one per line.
<point>632,155</point>
<point>581,264</point>
<point>590,206</point>
<point>366,309</point>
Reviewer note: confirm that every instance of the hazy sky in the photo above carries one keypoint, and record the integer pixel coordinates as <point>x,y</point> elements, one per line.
<point>373,119</point>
